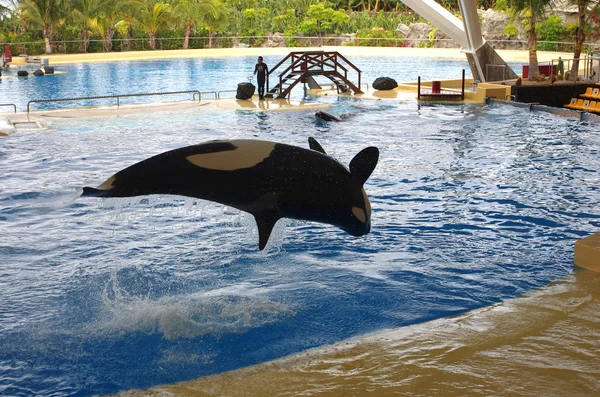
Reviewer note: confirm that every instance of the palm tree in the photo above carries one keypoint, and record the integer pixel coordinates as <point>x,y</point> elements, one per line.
<point>192,12</point>
<point>44,13</point>
<point>534,12</point>
<point>152,16</point>
<point>216,22</point>
<point>85,13</point>
<point>586,10</point>
<point>109,20</point>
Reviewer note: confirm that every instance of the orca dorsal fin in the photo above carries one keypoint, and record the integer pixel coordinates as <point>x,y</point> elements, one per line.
<point>363,164</point>
<point>266,222</point>
<point>314,145</point>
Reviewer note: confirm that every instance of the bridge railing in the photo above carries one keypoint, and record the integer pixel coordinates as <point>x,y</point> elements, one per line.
<point>315,63</point>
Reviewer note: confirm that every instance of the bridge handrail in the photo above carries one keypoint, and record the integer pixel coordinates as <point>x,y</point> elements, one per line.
<point>297,62</point>
<point>291,54</point>
<point>351,65</point>
<point>301,58</point>
<point>118,97</point>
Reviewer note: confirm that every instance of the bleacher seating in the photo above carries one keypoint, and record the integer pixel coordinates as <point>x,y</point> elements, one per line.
<point>591,93</point>
<point>586,102</point>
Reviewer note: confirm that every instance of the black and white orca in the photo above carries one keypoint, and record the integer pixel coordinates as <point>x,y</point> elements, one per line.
<point>266,179</point>
<point>327,116</point>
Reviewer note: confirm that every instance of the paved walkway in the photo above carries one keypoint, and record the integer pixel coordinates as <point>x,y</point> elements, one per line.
<point>507,55</point>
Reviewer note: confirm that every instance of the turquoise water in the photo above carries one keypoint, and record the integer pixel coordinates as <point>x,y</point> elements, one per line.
<point>471,205</point>
<point>182,74</point>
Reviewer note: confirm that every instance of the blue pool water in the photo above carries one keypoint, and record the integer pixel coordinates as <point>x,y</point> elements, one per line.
<point>182,74</point>
<point>471,205</point>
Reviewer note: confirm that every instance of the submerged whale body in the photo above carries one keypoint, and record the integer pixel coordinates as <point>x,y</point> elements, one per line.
<point>266,179</point>
<point>327,116</point>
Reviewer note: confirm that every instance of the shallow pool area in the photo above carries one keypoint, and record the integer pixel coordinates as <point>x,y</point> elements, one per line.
<point>472,205</point>
<point>89,79</point>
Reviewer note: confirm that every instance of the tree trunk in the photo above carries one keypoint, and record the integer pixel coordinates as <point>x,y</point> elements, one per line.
<point>579,38</point>
<point>129,36</point>
<point>534,69</point>
<point>108,36</point>
<point>47,40</point>
<point>85,38</point>
<point>210,37</point>
<point>153,41</point>
<point>186,39</point>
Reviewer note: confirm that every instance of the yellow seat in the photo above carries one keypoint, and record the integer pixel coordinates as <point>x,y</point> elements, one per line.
<point>589,105</point>
<point>596,93</point>
<point>588,93</point>
<point>585,105</point>
<point>575,103</point>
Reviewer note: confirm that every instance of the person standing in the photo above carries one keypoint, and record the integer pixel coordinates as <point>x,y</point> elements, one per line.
<point>261,70</point>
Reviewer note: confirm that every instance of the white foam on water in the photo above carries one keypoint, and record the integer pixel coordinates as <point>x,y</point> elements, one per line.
<point>186,316</point>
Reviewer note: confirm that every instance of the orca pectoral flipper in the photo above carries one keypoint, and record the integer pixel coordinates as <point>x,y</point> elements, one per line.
<point>266,222</point>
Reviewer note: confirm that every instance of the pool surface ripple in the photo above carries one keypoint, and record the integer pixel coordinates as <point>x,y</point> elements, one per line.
<point>472,205</point>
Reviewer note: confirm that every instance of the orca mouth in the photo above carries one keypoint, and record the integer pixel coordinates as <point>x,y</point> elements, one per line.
<point>359,231</point>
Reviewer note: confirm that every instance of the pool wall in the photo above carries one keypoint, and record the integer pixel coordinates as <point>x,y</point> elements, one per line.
<point>587,252</point>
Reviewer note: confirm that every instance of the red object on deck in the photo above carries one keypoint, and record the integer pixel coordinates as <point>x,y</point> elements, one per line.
<point>436,87</point>
<point>546,70</point>
<point>7,55</point>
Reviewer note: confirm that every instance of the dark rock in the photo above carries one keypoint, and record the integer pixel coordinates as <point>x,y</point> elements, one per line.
<point>49,69</point>
<point>245,91</point>
<point>38,72</point>
<point>384,83</point>
<point>22,73</point>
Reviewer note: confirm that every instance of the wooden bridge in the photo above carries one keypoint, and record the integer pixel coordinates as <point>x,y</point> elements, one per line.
<point>304,65</point>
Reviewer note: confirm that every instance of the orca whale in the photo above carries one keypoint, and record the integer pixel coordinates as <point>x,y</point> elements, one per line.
<point>327,116</point>
<point>266,179</point>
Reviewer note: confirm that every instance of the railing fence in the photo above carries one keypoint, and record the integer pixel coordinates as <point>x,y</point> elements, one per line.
<point>172,43</point>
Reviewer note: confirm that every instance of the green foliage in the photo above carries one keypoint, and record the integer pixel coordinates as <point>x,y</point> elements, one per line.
<point>320,19</point>
<point>255,21</point>
<point>511,30</point>
<point>169,19</point>
<point>570,30</point>
<point>431,36</point>
<point>34,38</point>
<point>551,29</point>
<point>286,22</point>
<point>378,37</point>
<point>431,40</point>
<point>387,20</point>
<point>501,5</point>
<point>561,67</point>
<point>290,41</point>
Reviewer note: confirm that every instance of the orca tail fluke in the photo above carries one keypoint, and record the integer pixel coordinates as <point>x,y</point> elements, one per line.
<point>92,192</point>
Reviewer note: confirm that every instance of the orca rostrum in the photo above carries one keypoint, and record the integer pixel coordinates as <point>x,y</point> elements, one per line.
<point>266,179</point>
